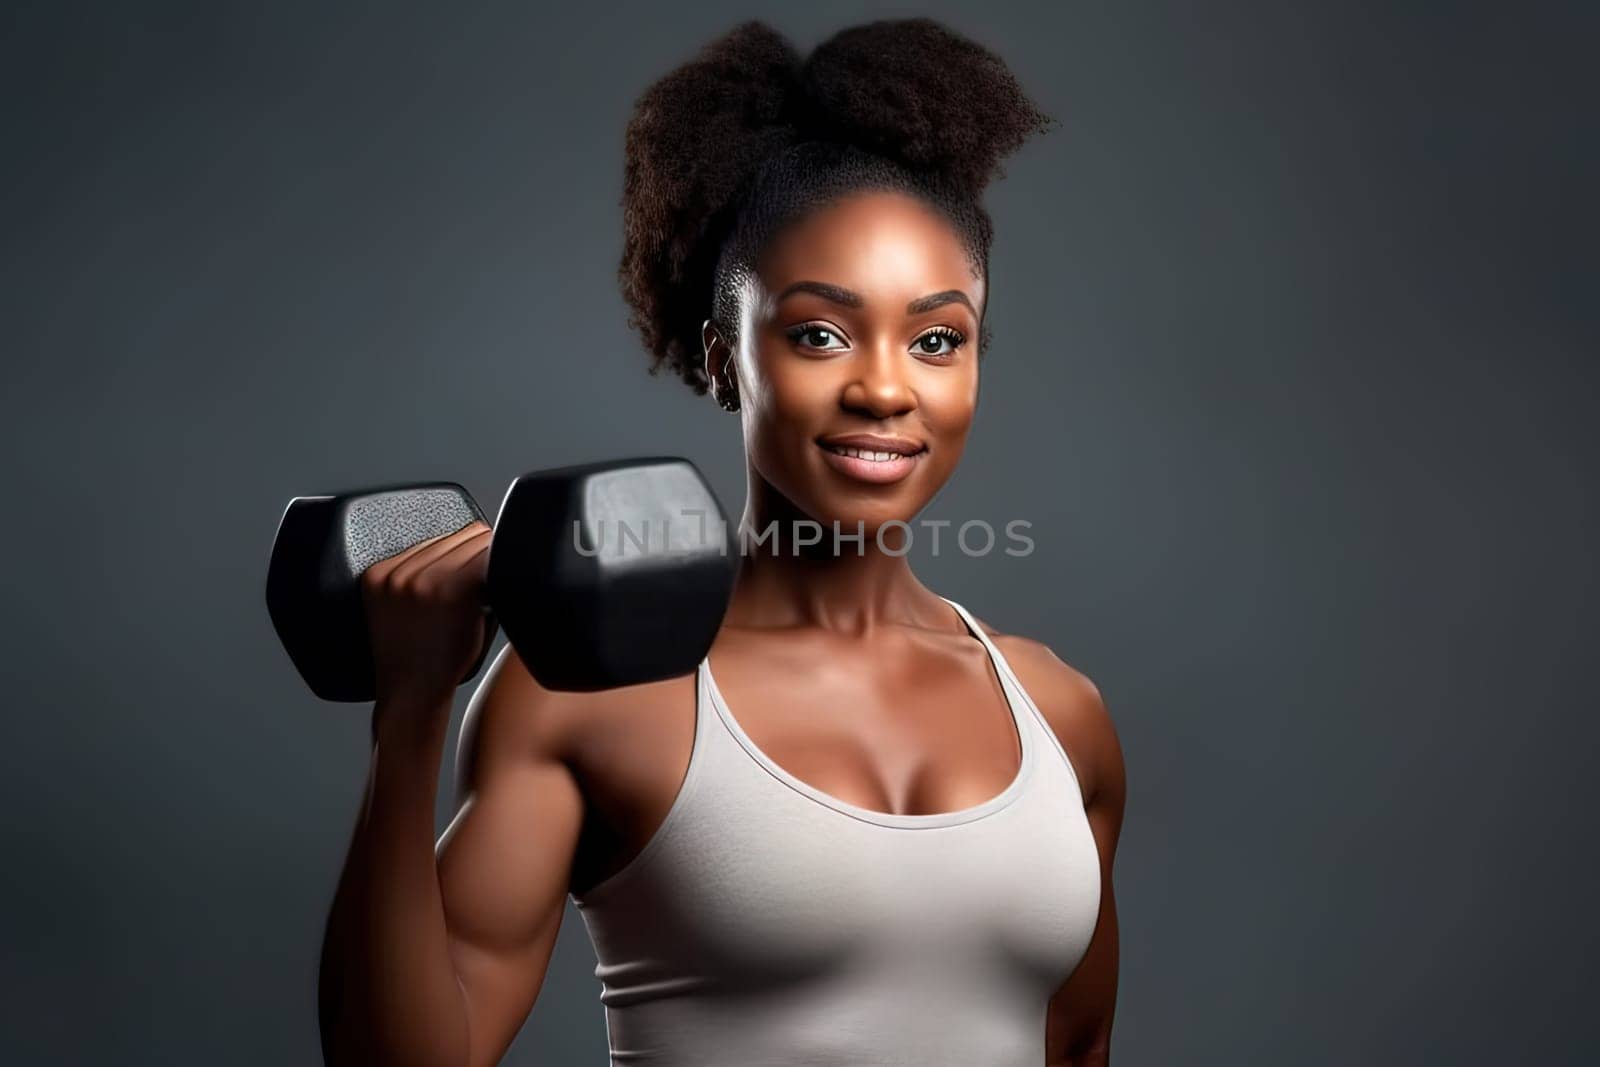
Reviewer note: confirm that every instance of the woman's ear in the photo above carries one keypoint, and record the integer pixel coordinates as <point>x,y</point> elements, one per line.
<point>719,366</point>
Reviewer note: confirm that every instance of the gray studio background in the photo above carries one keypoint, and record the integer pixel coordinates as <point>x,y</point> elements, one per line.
<point>1293,374</point>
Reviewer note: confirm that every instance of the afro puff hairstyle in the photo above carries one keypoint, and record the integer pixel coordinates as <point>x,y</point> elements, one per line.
<point>726,149</point>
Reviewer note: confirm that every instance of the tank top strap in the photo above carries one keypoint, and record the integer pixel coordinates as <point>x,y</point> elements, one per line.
<point>1009,678</point>
<point>1006,673</point>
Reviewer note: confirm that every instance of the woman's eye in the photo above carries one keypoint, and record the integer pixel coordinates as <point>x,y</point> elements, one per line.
<point>940,342</point>
<point>813,336</point>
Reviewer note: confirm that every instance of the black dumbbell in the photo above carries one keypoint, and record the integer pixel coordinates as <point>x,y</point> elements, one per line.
<point>602,575</point>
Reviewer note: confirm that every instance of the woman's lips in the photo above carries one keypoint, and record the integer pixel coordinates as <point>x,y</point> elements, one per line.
<point>868,466</point>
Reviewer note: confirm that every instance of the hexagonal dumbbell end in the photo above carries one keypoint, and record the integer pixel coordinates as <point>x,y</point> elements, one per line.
<point>323,545</point>
<point>611,574</point>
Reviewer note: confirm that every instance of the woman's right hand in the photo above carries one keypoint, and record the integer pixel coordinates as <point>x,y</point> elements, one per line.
<point>436,947</point>
<point>425,615</point>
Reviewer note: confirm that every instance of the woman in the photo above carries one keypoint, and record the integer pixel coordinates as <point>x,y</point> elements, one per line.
<point>868,829</point>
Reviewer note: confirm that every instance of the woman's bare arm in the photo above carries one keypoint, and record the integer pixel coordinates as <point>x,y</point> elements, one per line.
<point>1078,1021</point>
<point>435,955</point>
<point>505,862</point>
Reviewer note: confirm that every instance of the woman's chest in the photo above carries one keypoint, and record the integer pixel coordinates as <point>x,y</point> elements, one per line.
<point>904,738</point>
<point>770,878</point>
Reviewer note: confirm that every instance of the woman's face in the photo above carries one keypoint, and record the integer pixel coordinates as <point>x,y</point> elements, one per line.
<point>857,374</point>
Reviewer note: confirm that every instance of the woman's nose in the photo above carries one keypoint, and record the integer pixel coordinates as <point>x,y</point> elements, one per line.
<point>878,385</point>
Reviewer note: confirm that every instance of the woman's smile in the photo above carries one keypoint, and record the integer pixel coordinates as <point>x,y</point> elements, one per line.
<point>872,458</point>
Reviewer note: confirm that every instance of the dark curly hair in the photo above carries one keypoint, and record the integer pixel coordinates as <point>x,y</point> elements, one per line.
<point>746,137</point>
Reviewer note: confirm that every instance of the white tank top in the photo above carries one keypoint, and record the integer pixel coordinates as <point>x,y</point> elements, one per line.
<point>768,922</point>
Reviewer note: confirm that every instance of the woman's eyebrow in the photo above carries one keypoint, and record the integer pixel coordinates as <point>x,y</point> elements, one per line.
<point>928,303</point>
<point>851,299</point>
<point>833,293</point>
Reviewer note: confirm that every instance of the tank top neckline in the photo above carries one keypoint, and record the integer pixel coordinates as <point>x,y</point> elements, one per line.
<point>994,804</point>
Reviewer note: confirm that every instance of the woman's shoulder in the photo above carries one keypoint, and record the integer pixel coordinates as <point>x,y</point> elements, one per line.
<point>1068,686</point>
<point>512,713</point>
<point>1070,702</point>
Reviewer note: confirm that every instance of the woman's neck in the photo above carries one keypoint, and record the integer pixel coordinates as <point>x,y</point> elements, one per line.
<point>794,573</point>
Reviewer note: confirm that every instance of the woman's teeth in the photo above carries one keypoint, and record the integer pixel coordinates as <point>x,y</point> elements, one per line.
<point>858,453</point>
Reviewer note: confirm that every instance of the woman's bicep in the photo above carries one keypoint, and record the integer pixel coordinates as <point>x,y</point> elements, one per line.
<point>505,860</point>
<point>1078,1022</point>
<point>1078,1033</point>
